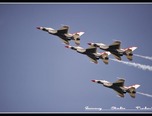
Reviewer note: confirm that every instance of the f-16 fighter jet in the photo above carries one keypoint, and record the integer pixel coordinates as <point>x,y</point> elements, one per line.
<point>119,87</point>
<point>115,49</point>
<point>63,34</point>
<point>92,53</point>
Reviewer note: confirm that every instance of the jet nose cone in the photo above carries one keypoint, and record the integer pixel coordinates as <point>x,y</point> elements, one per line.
<point>89,43</point>
<point>67,46</point>
<point>93,80</point>
<point>38,27</point>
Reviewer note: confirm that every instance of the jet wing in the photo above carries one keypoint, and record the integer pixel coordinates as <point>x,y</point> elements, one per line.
<point>119,82</point>
<point>116,56</point>
<point>91,49</point>
<point>63,29</point>
<point>115,45</point>
<point>121,94</point>
<point>65,41</point>
<point>93,59</point>
<point>90,53</point>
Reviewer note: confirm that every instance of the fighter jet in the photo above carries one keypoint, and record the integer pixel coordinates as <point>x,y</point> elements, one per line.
<point>115,49</point>
<point>119,87</point>
<point>63,34</point>
<point>92,53</point>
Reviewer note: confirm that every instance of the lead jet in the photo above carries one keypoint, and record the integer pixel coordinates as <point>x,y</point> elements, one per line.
<point>115,49</point>
<point>92,53</point>
<point>119,87</point>
<point>63,34</point>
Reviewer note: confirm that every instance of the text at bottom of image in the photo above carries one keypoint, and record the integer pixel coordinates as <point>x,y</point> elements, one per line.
<point>120,108</point>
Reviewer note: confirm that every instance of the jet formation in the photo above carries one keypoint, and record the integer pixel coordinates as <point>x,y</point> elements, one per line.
<point>93,55</point>
<point>113,49</point>
<point>119,87</point>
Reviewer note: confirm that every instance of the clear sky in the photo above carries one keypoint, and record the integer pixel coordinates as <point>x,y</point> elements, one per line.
<point>38,74</point>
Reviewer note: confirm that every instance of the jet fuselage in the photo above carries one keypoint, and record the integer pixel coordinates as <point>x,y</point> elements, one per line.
<point>114,51</point>
<point>87,53</point>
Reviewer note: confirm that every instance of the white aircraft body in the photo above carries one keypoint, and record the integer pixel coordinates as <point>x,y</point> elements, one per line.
<point>63,34</point>
<point>92,53</point>
<point>115,49</point>
<point>119,87</point>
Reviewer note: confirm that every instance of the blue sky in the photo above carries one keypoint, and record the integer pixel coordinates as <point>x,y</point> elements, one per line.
<point>38,74</point>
